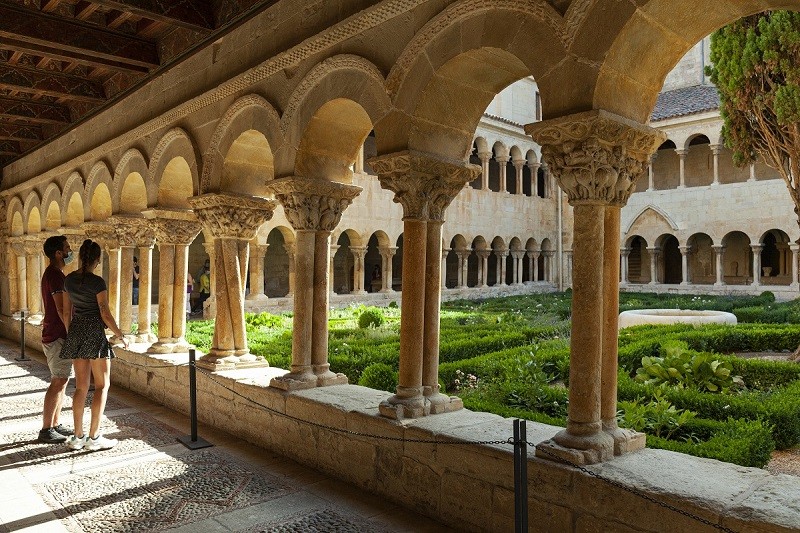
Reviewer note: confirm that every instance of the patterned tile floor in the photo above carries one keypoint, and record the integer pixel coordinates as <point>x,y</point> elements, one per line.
<point>149,482</point>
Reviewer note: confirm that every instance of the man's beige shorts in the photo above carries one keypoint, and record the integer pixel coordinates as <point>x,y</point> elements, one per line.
<point>59,368</point>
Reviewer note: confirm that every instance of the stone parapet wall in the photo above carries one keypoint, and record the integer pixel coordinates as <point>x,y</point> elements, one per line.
<point>421,476</point>
<point>782,293</point>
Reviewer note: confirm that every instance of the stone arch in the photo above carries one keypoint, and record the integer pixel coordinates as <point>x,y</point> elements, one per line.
<point>172,174</point>
<point>669,260</point>
<point>479,243</point>
<point>638,259</point>
<point>701,261</point>
<point>481,145</point>
<point>51,207</point>
<point>278,269</point>
<point>651,221</point>
<point>97,195</point>
<point>72,200</point>
<point>31,213</point>
<point>451,59</point>
<point>515,244</point>
<point>248,131</point>
<point>776,257</point>
<point>630,78</point>
<point>737,260</point>
<point>14,217</point>
<point>499,149</point>
<point>329,116</point>
<point>531,245</point>
<point>383,239</point>
<point>130,189</point>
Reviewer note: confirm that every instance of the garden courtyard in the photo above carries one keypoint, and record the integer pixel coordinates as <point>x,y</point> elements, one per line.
<point>725,392</point>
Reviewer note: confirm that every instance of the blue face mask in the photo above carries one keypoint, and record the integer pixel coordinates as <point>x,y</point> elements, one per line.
<point>68,259</point>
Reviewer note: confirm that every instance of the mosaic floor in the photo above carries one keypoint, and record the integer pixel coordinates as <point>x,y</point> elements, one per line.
<point>150,482</point>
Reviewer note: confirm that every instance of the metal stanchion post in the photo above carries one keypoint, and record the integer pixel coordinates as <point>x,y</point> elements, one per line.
<point>22,356</point>
<point>520,477</point>
<point>193,442</point>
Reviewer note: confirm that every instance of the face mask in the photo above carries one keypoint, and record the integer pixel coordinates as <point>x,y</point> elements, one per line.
<point>68,259</point>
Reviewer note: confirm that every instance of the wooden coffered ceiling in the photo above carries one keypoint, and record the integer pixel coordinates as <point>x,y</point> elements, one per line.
<point>62,59</point>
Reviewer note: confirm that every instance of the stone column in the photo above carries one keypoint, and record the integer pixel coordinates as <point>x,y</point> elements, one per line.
<point>752,172</point>
<point>596,157</point>
<point>718,254</point>
<point>424,185</point>
<point>795,248</point>
<point>653,251</point>
<point>289,248</point>
<point>314,208</point>
<point>233,220</point>
<point>534,179</point>
<point>650,174</point>
<point>463,268</point>
<point>518,164</point>
<point>127,245</point>
<point>386,272</point>
<point>144,234</point>
<point>502,161</point>
<point>534,255</point>
<point>19,267</point>
<point>682,157</point>
<point>485,157</point>
<point>516,268</point>
<point>175,229</point>
<point>483,267</point>
<point>210,306</point>
<point>625,253</point>
<point>359,253</point>
<point>715,150</point>
<point>568,276</point>
<point>501,266</point>
<point>33,252</point>
<point>549,272</point>
<point>445,252</point>
<point>256,266</point>
<point>756,263</point>
<point>685,251</point>
<point>331,276</point>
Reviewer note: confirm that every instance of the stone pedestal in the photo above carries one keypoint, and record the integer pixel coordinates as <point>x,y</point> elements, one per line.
<point>233,221</point>
<point>314,208</point>
<point>596,158</point>
<point>424,185</point>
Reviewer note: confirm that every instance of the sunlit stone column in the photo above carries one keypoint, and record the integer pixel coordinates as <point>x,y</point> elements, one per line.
<point>651,173</point>
<point>518,164</point>
<point>596,157</point>
<point>502,161</point>
<point>795,248</point>
<point>332,273</point>
<point>17,278</point>
<point>175,230</point>
<point>483,267</point>
<point>682,158</point>
<point>17,245</point>
<point>653,252</point>
<point>33,252</point>
<point>233,221</point>
<point>123,226</point>
<point>501,266</point>
<point>719,252</point>
<point>715,151</point>
<point>625,254</point>
<point>386,272</point>
<point>756,263</point>
<point>256,266</point>
<point>314,208</point>
<point>359,253</point>
<point>289,247</point>
<point>143,234</point>
<point>685,274</point>
<point>424,185</point>
<point>534,179</point>
<point>484,157</point>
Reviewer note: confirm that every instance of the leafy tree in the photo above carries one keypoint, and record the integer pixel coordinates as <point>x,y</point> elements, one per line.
<point>756,67</point>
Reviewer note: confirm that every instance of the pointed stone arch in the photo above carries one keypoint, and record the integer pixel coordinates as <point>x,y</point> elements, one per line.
<point>654,219</point>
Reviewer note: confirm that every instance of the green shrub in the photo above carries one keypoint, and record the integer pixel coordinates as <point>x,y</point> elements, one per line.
<point>681,368</point>
<point>379,376</point>
<point>371,317</point>
<point>657,417</point>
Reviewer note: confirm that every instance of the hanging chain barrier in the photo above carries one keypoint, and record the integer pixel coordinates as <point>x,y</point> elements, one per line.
<point>518,441</point>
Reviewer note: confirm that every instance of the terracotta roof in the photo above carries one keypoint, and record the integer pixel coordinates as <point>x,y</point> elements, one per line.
<point>685,101</point>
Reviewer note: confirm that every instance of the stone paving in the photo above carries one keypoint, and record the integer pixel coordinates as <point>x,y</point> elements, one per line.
<point>149,482</point>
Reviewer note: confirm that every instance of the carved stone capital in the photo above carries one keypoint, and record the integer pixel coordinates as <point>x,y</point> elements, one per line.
<point>173,226</point>
<point>33,245</point>
<point>423,184</point>
<point>232,216</point>
<point>17,245</point>
<point>596,156</point>
<point>103,233</point>
<point>483,254</point>
<point>128,228</point>
<point>314,205</point>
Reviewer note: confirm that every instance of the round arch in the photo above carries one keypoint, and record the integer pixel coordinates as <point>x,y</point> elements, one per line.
<point>72,200</point>
<point>31,213</point>
<point>172,175</point>
<point>99,176</point>
<point>130,190</point>
<point>14,217</point>
<point>51,207</point>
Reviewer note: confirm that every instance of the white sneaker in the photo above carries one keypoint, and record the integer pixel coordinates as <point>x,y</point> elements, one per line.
<point>76,443</point>
<point>100,443</point>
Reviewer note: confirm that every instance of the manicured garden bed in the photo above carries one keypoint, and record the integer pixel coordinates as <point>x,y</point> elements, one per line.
<point>510,356</point>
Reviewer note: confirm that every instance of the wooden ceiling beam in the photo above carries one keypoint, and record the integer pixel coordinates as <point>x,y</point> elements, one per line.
<point>48,6</point>
<point>9,148</point>
<point>11,131</point>
<point>84,10</point>
<point>43,34</point>
<point>50,83</point>
<point>192,14</point>
<point>34,112</point>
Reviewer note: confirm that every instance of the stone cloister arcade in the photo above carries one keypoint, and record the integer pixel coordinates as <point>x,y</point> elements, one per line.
<point>254,122</point>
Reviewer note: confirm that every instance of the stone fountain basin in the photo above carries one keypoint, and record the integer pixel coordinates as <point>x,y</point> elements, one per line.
<point>636,317</point>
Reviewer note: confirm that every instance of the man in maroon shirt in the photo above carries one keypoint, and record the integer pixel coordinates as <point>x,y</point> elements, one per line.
<point>59,253</point>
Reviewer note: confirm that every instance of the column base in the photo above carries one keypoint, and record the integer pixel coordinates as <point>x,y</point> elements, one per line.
<point>331,378</point>
<point>720,284</point>
<point>439,403</point>
<point>684,283</point>
<point>230,361</point>
<point>407,403</point>
<point>625,440</point>
<point>146,338</point>
<point>167,345</point>
<point>294,381</point>
<point>359,292</point>
<point>577,449</point>
<point>256,298</point>
<point>388,291</point>
<point>794,286</point>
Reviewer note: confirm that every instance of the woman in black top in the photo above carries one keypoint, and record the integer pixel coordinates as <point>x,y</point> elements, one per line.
<point>87,315</point>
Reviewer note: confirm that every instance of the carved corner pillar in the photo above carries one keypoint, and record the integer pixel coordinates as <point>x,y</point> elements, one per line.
<point>424,185</point>
<point>143,234</point>
<point>175,229</point>
<point>313,208</point>
<point>596,157</point>
<point>233,221</point>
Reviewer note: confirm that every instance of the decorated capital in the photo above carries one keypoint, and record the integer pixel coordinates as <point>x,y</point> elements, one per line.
<point>173,226</point>
<point>232,216</point>
<point>596,156</point>
<point>315,205</point>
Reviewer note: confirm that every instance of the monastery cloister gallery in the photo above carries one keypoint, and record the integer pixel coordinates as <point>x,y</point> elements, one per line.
<point>324,152</point>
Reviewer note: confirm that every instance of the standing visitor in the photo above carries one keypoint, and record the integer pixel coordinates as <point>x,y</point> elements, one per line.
<point>205,288</point>
<point>88,346</point>
<point>135,280</point>
<point>54,332</point>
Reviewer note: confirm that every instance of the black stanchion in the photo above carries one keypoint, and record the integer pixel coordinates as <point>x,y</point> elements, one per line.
<point>22,356</point>
<point>193,442</point>
<point>520,477</point>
